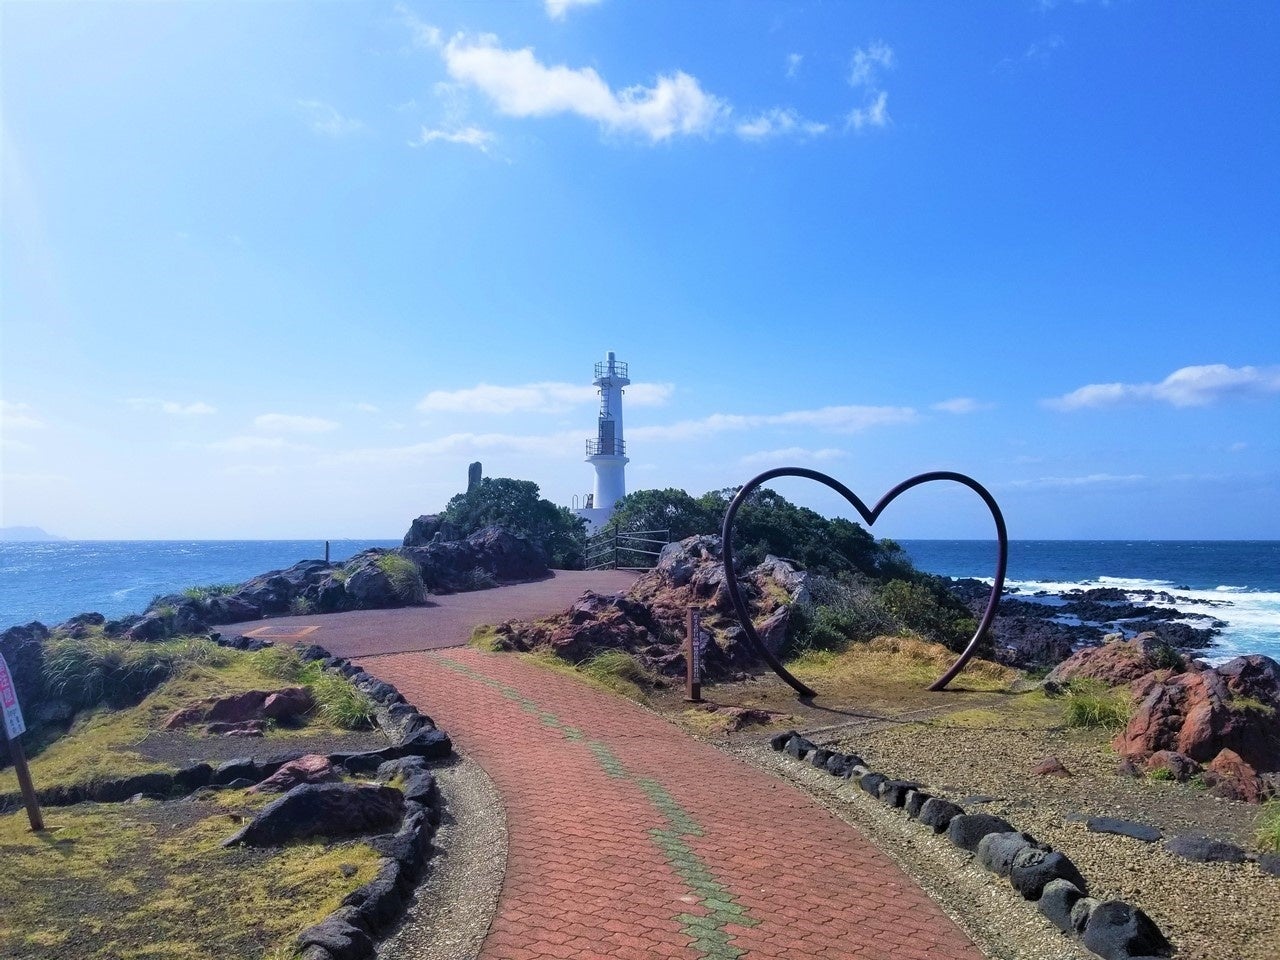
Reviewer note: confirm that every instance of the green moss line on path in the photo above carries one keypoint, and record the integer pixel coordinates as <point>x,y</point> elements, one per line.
<point>707,932</point>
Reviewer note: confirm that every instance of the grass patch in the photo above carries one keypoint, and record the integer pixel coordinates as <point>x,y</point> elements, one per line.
<point>98,668</point>
<point>610,670</point>
<point>405,577</point>
<point>896,661</point>
<point>1092,704</point>
<point>210,590</point>
<point>1161,773</point>
<point>706,722</point>
<point>1268,835</point>
<point>1250,704</point>
<point>485,638</point>
<point>126,881</point>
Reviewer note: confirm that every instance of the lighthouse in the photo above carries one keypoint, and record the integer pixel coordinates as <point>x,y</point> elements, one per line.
<point>607,451</point>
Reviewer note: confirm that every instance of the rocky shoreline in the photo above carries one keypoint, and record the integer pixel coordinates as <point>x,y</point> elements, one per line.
<point>1042,629</point>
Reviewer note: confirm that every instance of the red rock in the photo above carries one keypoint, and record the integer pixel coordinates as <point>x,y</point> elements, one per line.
<point>1051,767</point>
<point>242,707</point>
<point>1113,663</point>
<point>312,768</point>
<point>290,702</point>
<point>1229,776</point>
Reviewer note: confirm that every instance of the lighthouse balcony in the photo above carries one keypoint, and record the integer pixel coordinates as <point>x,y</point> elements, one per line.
<point>611,368</point>
<point>606,448</point>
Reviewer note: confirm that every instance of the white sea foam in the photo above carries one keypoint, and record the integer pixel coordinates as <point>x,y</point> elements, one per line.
<point>1252,617</point>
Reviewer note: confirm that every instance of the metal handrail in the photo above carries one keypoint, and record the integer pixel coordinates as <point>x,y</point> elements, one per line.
<point>601,448</point>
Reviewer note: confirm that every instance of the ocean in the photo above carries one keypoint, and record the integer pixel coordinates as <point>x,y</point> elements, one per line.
<point>53,581</point>
<point>1242,573</point>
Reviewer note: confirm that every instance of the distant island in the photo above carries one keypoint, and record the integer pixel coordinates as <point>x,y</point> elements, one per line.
<point>16,534</point>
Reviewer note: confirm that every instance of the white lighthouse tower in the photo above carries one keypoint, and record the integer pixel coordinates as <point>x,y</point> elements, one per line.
<point>607,452</point>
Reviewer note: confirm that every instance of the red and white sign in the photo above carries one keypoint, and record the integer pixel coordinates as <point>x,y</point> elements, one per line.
<point>13,724</point>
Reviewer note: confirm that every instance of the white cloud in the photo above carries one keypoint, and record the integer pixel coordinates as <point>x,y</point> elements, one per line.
<point>1091,480</point>
<point>874,114</point>
<point>844,419</point>
<point>960,405</point>
<point>536,398</point>
<point>481,140</point>
<point>869,62</point>
<point>557,9</point>
<point>793,64</point>
<point>788,455</point>
<point>778,122</point>
<point>520,85</point>
<point>366,408</point>
<point>555,445</point>
<point>247,444</point>
<point>18,416</point>
<point>287,423</point>
<point>1195,386</point>
<point>326,120</point>
<point>170,407</point>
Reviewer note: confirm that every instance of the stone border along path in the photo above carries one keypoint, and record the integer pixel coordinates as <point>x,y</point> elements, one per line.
<point>631,840</point>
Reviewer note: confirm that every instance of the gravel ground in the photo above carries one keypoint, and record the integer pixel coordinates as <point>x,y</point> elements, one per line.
<point>453,906</point>
<point>1210,911</point>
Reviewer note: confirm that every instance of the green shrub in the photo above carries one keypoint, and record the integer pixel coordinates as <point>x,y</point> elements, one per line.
<point>1164,657</point>
<point>1162,773</point>
<point>405,577</point>
<point>1091,703</point>
<point>840,612</point>
<point>477,578</point>
<point>1268,835</point>
<point>301,606</point>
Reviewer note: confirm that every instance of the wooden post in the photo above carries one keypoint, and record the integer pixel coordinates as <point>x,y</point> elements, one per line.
<point>693,656</point>
<point>24,781</point>
<point>326,551</point>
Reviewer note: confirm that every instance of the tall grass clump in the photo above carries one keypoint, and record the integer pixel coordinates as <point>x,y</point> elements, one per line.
<point>97,668</point>
<point>477,578</point>
<point>405,577</point>
<point>1268,835</point>
<point>839,612</point>
<point>1091,703</point>
<point>279,663</point>
<point>337,701</point>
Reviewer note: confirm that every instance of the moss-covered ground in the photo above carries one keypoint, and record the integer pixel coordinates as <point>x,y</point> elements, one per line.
<point>125,881</point>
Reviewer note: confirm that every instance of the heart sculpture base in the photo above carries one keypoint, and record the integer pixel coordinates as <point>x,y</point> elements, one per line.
<point>869,517</point>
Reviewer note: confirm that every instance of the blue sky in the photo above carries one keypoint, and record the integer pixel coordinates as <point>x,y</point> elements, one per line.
<point>284,269</point>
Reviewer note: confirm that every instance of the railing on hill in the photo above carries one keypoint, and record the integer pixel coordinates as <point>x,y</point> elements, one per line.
<point>614,549</point>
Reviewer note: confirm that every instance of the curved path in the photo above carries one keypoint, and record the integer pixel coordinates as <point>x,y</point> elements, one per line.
<point>628,839</point>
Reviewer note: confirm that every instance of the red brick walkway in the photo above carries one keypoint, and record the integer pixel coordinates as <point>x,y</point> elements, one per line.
<point>631,840</point>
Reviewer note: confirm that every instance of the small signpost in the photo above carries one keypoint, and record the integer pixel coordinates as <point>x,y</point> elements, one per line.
<point>695,647</point>
<point>15,727</point>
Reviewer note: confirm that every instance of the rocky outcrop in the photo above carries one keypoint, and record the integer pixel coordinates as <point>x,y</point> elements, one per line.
<point>312,768</point>
<point>322,809</point>
<point>649,620</point>
<point>429,528</point>
<point>450,565</point>
<point>367,581</point>
<point>23,649</point>
<point>1116,662</point>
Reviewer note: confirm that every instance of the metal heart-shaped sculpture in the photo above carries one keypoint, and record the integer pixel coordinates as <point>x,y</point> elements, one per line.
<point>869,517</point>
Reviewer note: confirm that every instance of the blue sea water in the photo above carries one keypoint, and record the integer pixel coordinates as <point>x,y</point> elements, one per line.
<point>51,582</point>
<point>1242,574</point>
